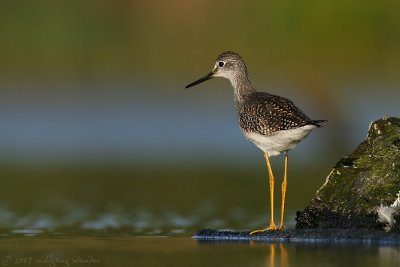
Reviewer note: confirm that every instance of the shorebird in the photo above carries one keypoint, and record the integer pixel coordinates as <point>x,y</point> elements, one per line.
<point>271,122</point>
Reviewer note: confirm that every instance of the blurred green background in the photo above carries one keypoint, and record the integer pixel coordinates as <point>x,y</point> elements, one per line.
<point>99,134</point>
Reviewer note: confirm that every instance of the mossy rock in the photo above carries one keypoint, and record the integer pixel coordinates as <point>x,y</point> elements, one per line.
<point>359,183</point>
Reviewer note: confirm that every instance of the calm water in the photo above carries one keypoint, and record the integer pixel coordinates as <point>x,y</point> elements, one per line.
<point>123,217</point>
<point>136,201</point>
<point>182,251</point>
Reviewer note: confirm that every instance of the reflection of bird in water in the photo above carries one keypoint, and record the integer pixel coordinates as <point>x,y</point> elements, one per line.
<point>283,255</point>
<point>273,123</point>
<point>272,254</point>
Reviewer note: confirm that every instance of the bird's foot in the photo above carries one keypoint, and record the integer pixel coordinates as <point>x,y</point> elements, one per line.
<point>272,227</point>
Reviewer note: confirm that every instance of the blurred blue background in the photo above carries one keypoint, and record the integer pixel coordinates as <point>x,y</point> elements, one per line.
<point>98,132</point>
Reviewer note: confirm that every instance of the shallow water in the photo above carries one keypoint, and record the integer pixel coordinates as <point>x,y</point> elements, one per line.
<point>134,201</point>
<point>142,216</point>
<point>183,251</point>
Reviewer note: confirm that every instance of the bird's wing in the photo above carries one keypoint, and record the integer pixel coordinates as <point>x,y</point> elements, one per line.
<point>266,114</point>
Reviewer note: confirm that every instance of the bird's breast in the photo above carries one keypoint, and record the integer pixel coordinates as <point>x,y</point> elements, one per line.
<point>279,141</point>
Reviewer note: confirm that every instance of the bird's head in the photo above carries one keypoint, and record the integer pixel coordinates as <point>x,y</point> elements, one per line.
<point>228,65</point>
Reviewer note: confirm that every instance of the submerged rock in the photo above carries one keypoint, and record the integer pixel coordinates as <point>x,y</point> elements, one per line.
<point>360,183</point>
<point>344,236</point>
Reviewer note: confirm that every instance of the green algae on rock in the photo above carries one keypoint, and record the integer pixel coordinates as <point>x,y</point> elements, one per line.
<point>359,183</point>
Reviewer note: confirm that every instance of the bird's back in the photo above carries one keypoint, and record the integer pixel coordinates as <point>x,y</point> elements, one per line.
<point>266,114</point>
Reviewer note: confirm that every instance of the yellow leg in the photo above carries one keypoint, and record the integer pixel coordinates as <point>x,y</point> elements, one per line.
<point>272,225</point>
<point>284,186</point>
<point>271,192</point>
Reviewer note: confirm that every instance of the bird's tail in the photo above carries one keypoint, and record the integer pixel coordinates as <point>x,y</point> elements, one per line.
<point>317,122</point>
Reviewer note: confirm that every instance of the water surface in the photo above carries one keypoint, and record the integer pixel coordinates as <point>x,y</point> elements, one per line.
<point>183,251</point>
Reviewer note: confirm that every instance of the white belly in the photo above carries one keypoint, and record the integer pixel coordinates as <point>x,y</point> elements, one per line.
<point>280,141</point>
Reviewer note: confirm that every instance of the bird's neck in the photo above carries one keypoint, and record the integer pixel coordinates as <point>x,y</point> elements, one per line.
<point>241,88</point>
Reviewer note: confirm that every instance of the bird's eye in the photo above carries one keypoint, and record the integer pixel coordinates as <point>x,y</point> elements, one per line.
<point>221,64</point>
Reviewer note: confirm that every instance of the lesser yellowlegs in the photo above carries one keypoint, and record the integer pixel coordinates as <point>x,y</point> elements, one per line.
<point>273,123</point>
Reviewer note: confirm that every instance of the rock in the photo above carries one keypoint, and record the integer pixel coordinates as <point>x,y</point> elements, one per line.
<point>345,236</point>
<point>359,183</point>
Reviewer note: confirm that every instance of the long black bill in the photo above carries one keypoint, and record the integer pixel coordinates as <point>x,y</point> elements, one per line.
<point>202,79</point>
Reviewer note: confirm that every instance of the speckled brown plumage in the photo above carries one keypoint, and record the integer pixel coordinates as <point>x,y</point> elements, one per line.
<point>267,114</point>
